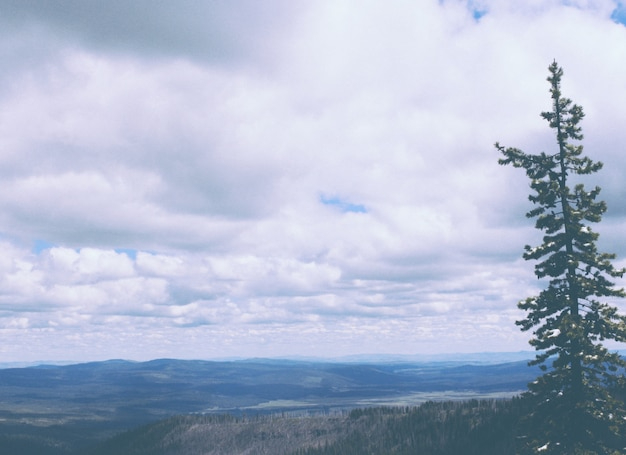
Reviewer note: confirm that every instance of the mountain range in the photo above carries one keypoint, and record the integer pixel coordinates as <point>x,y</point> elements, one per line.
<point>59,409</point>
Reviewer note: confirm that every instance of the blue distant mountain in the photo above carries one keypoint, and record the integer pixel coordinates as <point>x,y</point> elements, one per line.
<point>53,405</point>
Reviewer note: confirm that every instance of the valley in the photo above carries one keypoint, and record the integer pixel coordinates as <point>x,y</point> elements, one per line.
<point>67,408</point>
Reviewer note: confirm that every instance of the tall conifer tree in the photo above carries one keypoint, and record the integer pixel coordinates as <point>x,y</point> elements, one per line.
<point>578,399</point>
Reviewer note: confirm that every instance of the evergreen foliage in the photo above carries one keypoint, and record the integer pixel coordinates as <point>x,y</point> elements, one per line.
<point>577,409</point>
<point>475,427</point>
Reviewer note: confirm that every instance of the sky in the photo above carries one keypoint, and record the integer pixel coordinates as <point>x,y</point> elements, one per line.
<point>218,179</point>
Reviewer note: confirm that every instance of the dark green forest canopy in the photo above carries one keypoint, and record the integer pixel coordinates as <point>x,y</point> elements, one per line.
<point>475,427</point>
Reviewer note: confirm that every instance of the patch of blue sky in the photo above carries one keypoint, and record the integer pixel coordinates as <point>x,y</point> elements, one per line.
<point>128,252</point>
<point>478,13</point>
<point>41,245</point>
<point>343,205</point>
<point>476,7</point>
<point>619,13</point>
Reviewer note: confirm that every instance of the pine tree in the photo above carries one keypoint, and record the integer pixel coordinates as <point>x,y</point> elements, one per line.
<point>578,400</point>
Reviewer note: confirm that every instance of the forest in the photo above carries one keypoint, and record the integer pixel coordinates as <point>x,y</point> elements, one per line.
<point>486,427</point>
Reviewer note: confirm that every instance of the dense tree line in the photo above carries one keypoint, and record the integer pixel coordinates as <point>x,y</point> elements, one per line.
<point>486,427</point>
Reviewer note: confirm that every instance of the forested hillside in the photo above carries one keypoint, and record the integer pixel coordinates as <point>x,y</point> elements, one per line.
<point>482,427</point>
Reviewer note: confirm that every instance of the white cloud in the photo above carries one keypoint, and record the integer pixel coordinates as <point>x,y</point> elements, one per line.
<point>86,265</point>
<point>185,185</point>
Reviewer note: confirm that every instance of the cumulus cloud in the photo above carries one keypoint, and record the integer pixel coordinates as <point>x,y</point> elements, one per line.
<point>214,178</point>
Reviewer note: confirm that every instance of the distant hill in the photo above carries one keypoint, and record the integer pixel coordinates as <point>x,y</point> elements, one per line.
<point>60,409</point>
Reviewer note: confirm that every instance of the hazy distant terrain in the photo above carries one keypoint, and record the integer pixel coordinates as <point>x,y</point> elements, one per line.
<point>61,408</point>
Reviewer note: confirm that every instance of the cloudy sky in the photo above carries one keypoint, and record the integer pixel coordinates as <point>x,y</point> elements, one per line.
<point>206,179</point>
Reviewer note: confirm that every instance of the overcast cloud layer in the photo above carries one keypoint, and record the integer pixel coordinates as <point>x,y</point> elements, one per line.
<point>203,179</point>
